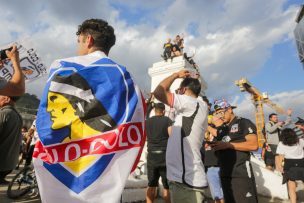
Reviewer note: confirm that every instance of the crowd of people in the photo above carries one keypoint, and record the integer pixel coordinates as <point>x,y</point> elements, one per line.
<point>203,145</point>
<point>284,143</point>
<point>174,49</point>
<point>212,146</point>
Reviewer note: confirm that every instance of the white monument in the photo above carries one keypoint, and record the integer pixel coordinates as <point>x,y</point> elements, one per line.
<point>161,70</point>
<point>268,182</point>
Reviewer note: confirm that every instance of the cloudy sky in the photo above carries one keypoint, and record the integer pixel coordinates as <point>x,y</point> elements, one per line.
<point>232,39</point>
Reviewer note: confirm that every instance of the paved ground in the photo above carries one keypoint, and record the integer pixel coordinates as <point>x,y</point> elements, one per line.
<point>5,199</point>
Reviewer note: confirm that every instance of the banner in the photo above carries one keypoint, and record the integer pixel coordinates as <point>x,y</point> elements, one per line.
<point>31,64</point>
<point>90,124</point>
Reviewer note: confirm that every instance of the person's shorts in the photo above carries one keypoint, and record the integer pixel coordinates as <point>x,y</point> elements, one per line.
<point>214,183</point>
<point>238,190</point>
<point>180,193</point>
<point>293,174</point>
<point>156,169</point>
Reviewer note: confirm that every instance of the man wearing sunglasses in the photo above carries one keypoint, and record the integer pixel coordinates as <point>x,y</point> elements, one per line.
<point>236,138</point>
<point>185,169</point>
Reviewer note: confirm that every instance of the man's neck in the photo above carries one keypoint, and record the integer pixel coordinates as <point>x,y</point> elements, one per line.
<point>190,94</point>
<point>232,118</point>
<point>93,49</point>
<point>159,114</point>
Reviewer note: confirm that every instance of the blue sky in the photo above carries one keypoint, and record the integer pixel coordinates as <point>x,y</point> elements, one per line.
<point>282,71</point>
<point>232,39</point>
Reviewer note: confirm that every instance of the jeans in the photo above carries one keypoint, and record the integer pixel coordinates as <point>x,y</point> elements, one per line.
<point>214,183</point>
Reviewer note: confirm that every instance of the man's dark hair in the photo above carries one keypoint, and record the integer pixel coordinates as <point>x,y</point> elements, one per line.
<point>159,107</point>
<point>300,121</point>
<point>289,137</point>
<point>205,99</point>
<point>272,114</point>
<point>101,31</point>
<point>192,84</point>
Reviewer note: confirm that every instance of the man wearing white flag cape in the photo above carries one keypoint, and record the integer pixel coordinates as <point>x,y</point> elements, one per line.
<point>90,123</point>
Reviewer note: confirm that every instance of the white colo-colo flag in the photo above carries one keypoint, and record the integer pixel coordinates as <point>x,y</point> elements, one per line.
<point>91,128</point>
<point>30,63</point>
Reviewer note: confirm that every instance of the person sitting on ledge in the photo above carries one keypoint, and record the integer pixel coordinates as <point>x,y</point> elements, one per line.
<point>175,51</point>
<point>179,41</point>
<point>167,51</point>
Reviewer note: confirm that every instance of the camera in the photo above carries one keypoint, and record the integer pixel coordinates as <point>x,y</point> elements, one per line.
<point>3,53</point>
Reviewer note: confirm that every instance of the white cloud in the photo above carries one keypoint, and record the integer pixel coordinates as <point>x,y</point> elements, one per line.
<point>233,38</point>
<point>293,100</point>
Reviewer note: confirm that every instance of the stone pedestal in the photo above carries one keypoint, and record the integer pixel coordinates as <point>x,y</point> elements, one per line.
<point>161,70</point>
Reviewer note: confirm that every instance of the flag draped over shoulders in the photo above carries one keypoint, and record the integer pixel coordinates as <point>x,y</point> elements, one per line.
<point>90,124</point>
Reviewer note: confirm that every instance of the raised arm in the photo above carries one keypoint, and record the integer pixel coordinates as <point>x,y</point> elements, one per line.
<point>162,91</point>
<point>288,120</point>
<point>16,86</point>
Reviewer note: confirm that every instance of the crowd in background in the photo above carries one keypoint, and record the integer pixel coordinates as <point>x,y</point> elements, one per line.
<point>225,142</point>
<point>202,145</point>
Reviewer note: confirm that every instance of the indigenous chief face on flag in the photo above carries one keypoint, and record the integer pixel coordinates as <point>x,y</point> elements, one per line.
<point>72,105</point>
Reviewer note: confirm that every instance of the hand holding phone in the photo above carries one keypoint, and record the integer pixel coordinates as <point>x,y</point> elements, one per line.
<point>3,53</point>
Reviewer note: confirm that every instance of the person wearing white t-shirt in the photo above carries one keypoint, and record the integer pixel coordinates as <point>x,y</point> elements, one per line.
<point>291,150</point>
<point>185,169</point>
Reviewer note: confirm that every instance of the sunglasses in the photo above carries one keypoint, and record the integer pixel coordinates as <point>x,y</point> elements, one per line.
<point>221,113</point>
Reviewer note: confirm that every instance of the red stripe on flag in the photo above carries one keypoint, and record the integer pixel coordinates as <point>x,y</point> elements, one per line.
<point>125,136</point>
<point>144,134</point>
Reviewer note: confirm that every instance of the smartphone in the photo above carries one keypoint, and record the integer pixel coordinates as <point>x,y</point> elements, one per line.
<point>3,53</point>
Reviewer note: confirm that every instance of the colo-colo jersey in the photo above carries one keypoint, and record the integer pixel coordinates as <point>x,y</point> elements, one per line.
<point>235,163</point>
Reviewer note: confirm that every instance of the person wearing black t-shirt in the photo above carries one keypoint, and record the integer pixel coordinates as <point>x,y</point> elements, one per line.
<point>236,138</point>
<point>157,128</point>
